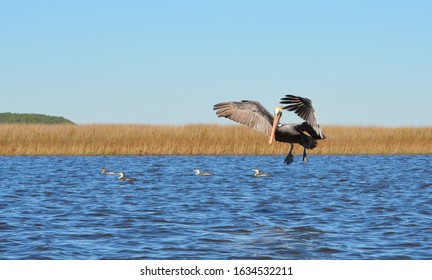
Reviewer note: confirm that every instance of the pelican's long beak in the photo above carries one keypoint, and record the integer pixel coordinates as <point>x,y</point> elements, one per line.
<point>277,116</point>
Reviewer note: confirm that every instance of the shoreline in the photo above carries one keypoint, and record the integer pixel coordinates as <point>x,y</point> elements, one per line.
<point>202,139</point>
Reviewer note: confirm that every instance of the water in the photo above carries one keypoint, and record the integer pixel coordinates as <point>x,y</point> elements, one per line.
<point>335,207</point>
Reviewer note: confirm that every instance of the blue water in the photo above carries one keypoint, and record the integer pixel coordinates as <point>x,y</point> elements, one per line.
<point>334,207</point>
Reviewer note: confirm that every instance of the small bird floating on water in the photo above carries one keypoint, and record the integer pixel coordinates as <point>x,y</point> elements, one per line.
<point>199,173</point>
<point>123,178</point>
<point>258,173</point>
<point>104,171</point>
<point>255,116</point>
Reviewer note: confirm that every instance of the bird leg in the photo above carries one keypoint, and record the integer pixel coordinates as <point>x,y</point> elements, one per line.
<point>289,158</point>
<point>305,158</point>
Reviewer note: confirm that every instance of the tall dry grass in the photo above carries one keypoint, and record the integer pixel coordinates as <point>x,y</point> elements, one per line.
<point>200,140</point>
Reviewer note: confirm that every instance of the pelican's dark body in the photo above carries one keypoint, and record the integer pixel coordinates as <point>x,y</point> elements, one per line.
<point>290,133</point>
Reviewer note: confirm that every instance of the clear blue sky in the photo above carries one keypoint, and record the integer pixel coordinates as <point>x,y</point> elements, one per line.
<point>168,62</point>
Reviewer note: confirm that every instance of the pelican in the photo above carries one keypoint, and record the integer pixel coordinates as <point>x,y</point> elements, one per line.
<point>199,173</point>
<point>104,171</point>
<point>258,173</point>
<point>255,116</point>
<point>123,178</point>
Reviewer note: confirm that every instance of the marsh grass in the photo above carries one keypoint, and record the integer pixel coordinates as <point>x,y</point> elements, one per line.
<point>200,140</point>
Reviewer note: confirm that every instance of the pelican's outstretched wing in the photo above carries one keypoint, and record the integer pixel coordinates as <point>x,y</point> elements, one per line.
<point>249,113</point>
<point>303,108</point>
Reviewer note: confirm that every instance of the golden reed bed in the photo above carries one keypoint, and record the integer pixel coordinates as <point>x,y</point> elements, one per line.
<point>200,140</point>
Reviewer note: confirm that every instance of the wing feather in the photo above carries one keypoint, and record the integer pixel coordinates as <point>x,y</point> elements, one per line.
<point>303,108</point>
<point>250,113</point>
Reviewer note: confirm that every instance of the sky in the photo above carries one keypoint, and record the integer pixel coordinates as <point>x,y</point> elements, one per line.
<point>168,62</point>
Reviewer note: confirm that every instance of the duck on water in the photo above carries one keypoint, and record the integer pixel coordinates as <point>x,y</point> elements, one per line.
<point>258,173</point>
<point>105,171</point>
<point>198,172</point>
<point>122,177</point>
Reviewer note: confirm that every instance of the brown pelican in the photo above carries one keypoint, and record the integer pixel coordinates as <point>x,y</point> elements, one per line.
<point>104,171</point>
<point>123,178</point>
<point>255,116</point>
<point>258,173</point>
<point>199,173</point>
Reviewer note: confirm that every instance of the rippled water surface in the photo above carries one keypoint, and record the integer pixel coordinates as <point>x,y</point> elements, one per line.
<point>334,207</point>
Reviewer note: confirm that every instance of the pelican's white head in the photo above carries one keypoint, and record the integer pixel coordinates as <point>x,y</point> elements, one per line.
<point>277,117</point>
<point>278,110</point>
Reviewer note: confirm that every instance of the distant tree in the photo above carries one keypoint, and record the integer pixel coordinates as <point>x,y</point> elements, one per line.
<point>13,118</point>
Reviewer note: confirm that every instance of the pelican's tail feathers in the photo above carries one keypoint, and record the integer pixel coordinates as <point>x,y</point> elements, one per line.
<point>310,143</point>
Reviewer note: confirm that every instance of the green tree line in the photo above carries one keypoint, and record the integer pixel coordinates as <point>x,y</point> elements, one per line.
<point>13,118</point>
